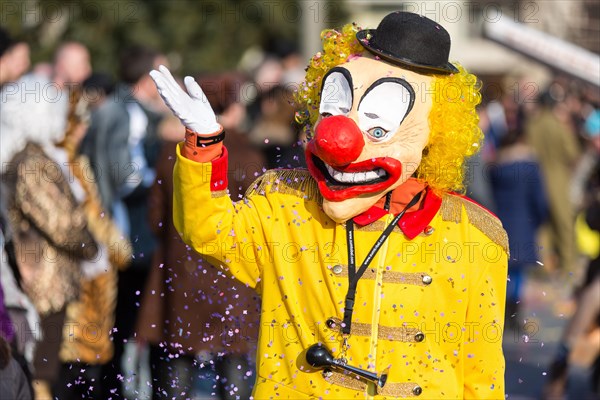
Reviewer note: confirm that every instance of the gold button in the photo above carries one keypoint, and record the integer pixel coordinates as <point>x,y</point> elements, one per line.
<point>427,279</point>
<point>419,337</point>
<point>337,269</point>
<point>428,230</point>
<point>417,390</point>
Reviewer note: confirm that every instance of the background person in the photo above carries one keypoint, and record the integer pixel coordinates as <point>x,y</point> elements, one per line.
<point>122,145</point>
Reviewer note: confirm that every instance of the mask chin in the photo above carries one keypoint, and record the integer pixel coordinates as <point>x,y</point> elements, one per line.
<point>341,211</point>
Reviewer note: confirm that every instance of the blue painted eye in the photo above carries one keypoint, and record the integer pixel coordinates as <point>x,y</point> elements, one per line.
<point>377,133</point>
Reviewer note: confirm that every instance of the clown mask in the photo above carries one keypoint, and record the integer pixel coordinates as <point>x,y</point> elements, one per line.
<point>370,135</point>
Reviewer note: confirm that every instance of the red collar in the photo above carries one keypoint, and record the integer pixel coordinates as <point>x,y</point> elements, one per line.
<point>413,222</point>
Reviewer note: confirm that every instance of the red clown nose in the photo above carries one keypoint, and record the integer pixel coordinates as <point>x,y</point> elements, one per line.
<point>338,141</point>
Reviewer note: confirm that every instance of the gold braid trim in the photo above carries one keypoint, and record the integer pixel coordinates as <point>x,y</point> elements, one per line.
<point>349,381</point>
<point>407,278</point>
<point>354,382</point>
<point>451,208</point>
<point>395,334</point>
<point>481,219</point>
<point>218,194</point>
<point>403,389</point>
<point>402,334</point>
<point>297,182</point>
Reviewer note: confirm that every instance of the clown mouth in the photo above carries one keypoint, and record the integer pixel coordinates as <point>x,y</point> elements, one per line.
<point>335,177</point>
<point>361,178</point>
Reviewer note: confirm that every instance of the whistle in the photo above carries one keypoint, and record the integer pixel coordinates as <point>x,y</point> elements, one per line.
<point>319,357</point>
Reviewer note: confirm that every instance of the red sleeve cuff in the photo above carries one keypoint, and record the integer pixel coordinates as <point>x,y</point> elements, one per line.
<point>218,176</point>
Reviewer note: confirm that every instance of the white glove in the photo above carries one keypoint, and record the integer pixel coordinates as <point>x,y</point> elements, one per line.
<point>192,109</point>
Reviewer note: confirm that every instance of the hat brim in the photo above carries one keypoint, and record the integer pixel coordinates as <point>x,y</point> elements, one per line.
<point>365,41</point>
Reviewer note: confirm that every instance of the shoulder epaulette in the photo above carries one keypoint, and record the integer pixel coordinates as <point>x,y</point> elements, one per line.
<point>297,182</point>
<point>478,216</point>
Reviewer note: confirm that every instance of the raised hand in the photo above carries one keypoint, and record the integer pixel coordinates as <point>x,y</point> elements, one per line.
<point>192,108</point>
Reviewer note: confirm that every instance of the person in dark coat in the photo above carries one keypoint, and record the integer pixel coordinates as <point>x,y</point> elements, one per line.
<point>122,145</point>
<point>520,199</point>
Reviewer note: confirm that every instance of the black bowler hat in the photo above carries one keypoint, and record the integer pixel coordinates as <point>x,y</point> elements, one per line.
<point>408,39</point>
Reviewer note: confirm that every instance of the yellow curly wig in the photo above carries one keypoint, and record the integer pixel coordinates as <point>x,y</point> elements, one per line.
<point>453,120</point>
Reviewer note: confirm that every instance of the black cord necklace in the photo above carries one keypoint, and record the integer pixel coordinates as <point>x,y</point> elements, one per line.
<point>353,275</point>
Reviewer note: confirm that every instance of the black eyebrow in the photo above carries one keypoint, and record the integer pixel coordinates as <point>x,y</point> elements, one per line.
<point>399,81</point>
<point>342,71</point>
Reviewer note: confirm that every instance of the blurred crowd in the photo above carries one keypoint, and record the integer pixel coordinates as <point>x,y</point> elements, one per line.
<point>539,172</point>
<point>100,298</point>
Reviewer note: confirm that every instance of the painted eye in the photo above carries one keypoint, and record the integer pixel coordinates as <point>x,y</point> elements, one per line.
<point>326,115</point>
<point>377,132</point>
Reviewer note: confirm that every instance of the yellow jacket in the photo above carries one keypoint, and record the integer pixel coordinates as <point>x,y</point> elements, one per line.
<point>430,309</point>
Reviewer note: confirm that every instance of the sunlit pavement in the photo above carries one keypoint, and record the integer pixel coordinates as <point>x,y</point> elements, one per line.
<point>530,346</point>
